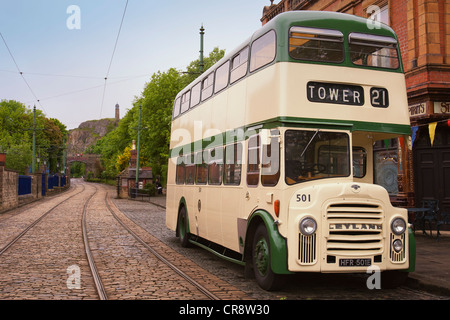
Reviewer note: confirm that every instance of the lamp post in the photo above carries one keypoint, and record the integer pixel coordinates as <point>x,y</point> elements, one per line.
<point>202,33</point>
<point>138,147</point>
<point>33,168</point>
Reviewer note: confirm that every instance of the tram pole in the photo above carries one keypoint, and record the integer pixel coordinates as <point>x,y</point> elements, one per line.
<point>138,147</point>
<point>33,165</point>
<point>202,32</point>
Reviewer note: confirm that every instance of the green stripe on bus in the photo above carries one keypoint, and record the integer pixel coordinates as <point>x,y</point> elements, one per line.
<point>243,133</point>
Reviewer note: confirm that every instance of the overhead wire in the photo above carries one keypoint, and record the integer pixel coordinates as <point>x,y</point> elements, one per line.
<point>21,73</point>
<point>112,56</point>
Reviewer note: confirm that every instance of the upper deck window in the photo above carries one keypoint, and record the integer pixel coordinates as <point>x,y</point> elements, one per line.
<point>263,51</point>
<point>222,75</point>
<point>176,107</point>
<point>185,100</point>
<point>239,65</point>
<point>207,86</point>
<point>314,44</point>
<point>373,51</point>
<point>195,95</point>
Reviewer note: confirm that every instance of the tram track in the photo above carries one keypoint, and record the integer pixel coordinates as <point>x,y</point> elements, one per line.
<point>95,274</point>
<point>35,222</point>
<point>100,287</point>
<point>163,259</point>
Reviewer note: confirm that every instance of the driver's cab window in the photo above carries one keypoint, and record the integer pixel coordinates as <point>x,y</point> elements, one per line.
<point>311,155</point>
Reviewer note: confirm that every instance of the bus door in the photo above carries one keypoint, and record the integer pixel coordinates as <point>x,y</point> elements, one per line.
<point>232,195</point>
<point>213,194</point>
<point>200,199</point>
<point>252,179</point>
<point>263,169</point>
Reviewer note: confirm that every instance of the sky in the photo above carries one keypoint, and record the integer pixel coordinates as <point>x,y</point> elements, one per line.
<point>65,48</point>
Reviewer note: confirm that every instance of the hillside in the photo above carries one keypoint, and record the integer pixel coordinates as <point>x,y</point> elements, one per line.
<point>87,134</point>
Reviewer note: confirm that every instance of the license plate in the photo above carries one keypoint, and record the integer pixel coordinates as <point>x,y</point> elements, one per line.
<point>355,262</point>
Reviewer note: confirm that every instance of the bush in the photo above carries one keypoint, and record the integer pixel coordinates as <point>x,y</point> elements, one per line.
<point>150,188</point>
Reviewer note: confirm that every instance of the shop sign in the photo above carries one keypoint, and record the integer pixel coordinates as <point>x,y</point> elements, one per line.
<point>418,109</point>
<point>442,107</point>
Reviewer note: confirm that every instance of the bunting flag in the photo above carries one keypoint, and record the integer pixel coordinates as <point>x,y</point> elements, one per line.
<point>432,131</point>
<point>386,143</point>
<point>414,134</point>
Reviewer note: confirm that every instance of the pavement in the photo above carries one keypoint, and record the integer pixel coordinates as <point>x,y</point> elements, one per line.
<point>432,262</point>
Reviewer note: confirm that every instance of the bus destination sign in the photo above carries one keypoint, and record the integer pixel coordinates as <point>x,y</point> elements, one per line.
<point>335,93</point>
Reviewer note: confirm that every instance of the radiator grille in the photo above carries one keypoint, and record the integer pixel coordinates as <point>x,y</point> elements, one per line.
<point>307,249</point>
<point>354,229</point>
<point>400,256</point>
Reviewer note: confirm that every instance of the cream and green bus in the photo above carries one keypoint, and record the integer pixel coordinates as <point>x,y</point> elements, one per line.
<point>271,158</point>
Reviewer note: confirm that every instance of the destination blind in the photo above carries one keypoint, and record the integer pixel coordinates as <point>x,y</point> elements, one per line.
<point>335,93</point>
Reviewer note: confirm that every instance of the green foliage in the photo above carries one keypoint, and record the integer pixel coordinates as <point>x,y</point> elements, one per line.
<point>19,157</point>
<point>156,103</point>
<point>77,169</point>
<point>16,135</point>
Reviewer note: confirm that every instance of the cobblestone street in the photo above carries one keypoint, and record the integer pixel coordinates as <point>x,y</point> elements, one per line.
<point>48,260</point>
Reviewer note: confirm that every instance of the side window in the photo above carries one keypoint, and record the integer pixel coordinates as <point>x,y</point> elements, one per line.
<point>233,164</point>
<point>222,75</point>
<point>263,51</point>
<point>201,169</point>
<point>176,107</point>
<point>181,170</point>
<point>359,162</point>
<point>195,94</point>
<point>239,65</point>
<point>185,100</point>
<point>253,160</point>
<point>270,164</point>
<point>215,166</point>
<point>190,169</point>
<point>207,86</point>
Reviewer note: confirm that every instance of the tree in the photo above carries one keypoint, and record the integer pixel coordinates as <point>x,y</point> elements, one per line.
<point>19,157</point>
<point>156,103</point>
<point>16,135</point>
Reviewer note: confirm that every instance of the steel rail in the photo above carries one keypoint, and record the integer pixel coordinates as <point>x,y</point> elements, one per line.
<point>95,274</point>
<point>20,235</point>
<point>205,291</point>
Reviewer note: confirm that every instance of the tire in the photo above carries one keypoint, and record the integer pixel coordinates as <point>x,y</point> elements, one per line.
<point>183,229</point>
<point>265,277</point>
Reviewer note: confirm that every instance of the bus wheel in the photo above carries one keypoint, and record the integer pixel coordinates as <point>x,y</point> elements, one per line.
<point>182,228</point>
<point>266,278</point>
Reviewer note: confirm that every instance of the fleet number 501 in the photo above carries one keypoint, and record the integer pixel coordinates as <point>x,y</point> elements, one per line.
<point>303,197</point>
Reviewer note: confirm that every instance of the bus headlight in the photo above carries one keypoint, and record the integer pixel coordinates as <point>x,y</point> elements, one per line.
<point>397,245</point>
<point>398,226</point>
<point>308,226</point>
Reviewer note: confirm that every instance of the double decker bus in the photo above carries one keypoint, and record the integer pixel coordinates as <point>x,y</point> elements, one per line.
<point>271,158</point>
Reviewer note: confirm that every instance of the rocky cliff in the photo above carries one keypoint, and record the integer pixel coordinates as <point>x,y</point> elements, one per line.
<point>87,134</point>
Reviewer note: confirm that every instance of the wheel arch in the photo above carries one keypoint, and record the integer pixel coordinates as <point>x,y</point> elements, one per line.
<point>278,244</point>
<point>182,204</point>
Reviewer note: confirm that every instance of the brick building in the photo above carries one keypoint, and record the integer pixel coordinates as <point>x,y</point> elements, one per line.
<point>422,162</point>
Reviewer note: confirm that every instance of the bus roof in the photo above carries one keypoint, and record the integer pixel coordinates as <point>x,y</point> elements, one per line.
<point>326,19</point>
<point>346,23</point>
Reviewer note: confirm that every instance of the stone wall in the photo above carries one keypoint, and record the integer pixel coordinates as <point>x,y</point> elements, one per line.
<point>9,188</point>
